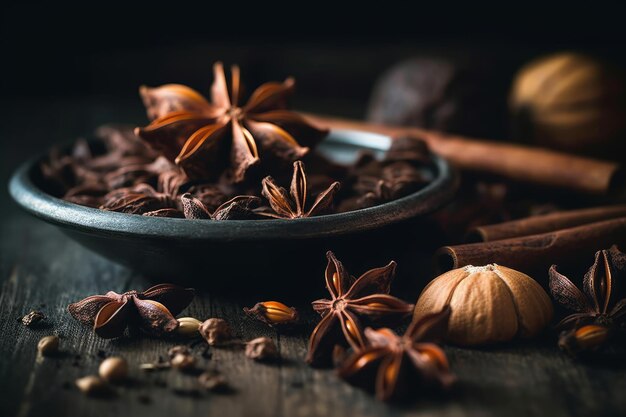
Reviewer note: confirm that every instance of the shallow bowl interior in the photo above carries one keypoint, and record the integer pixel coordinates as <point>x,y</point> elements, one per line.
<point>206,250</point>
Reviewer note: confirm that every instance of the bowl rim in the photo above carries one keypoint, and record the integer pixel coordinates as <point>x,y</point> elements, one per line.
<point>96,221</point>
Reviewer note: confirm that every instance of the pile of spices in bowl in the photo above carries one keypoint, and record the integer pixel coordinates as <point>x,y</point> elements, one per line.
<point>221,159</point>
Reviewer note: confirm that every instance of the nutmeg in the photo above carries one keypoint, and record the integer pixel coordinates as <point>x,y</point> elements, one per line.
<point>489,304</point>
<point>570,102</point>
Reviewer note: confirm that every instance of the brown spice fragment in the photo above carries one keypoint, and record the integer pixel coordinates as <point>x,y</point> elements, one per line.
<point>215,331</point>
<point>32,318</point>
<point>262,349</point>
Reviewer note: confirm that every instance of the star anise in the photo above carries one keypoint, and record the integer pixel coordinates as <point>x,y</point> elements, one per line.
<point>293,205</point>
<point>396,180</point>
<point>237,208</point>
<point>595,306</point>
<point>139,199</point>
<point>208,138</point>
<point>152,310</point>
<point>352,300</point>
<point>393,366</point>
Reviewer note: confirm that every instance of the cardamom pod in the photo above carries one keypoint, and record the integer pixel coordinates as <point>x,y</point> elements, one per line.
<point>188,327</point>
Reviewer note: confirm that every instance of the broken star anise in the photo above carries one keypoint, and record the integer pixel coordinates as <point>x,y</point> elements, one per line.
<point>393,366</point>
<point>138,199</point>
<point>597,316</point>
<point>293,205</point>
<point>152,310</point>
<point>207,138</point>
<point>366,298</point>
<point>237,208</point>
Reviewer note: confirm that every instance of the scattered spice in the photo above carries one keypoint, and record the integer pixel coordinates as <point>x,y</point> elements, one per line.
<point>366,298</point>
<point>293,205</point>
<point>113,369</point>
<point>262,349</point>
<point>585,338</point>
<point>216,331</point>
<point>152,310</point>
<point>32,318</point>
<point>149,367</point>
<point>596,316</point>
<point>192,132</point>
<point>94,386</point>
<point>48,345</point>
<point>213,381</point>
<point>178,350</point>
<point>273,313</point>
<point>393,366</point>
<point>188,327</point>
<point>183,362</point>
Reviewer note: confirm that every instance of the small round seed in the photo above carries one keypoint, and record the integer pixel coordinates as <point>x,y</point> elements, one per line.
<point>93,386</point>
<point>179,349</point>
<point>48,345</point>
<point>113,369</point>
<point>183,362</point>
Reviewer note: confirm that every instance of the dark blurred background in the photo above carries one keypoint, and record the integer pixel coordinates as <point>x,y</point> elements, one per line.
<point>66,69</point>
<point>107,51</point>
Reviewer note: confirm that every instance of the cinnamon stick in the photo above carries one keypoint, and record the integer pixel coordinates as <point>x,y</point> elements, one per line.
<point>535,253</point>
<point>545,223</point>
<point>516,162</point>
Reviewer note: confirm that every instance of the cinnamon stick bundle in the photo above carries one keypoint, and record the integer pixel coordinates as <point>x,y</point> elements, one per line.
<point>535,253</point>
<point>516,162</point>
<point>544,223</point>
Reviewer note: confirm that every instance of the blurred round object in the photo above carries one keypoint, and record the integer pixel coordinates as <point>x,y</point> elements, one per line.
<point>570,102</point>
<point>441,94</point>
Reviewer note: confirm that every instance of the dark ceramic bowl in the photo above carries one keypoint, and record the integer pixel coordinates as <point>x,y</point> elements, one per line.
<point>214,251</point>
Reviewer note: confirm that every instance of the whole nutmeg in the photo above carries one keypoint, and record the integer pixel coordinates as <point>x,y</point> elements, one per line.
<point>113,369</point>
<point>48,345</point>
<point>570,102</point>
<point>188,327</point>
<point>93,386</point>
<point>215,331</point>
<point>489,304</point>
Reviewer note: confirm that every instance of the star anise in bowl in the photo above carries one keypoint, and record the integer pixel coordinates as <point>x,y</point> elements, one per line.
<point>208,138</point>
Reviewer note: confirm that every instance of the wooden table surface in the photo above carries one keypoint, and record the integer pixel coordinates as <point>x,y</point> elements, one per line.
<point>40,268</point>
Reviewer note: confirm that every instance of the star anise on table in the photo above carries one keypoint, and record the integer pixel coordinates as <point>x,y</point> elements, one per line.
<point>152,310</point>
<point>292,205</point>
<point>393,366</point>
<point>353,300</point>
<point>207,138</point>
<point>596,316</point>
